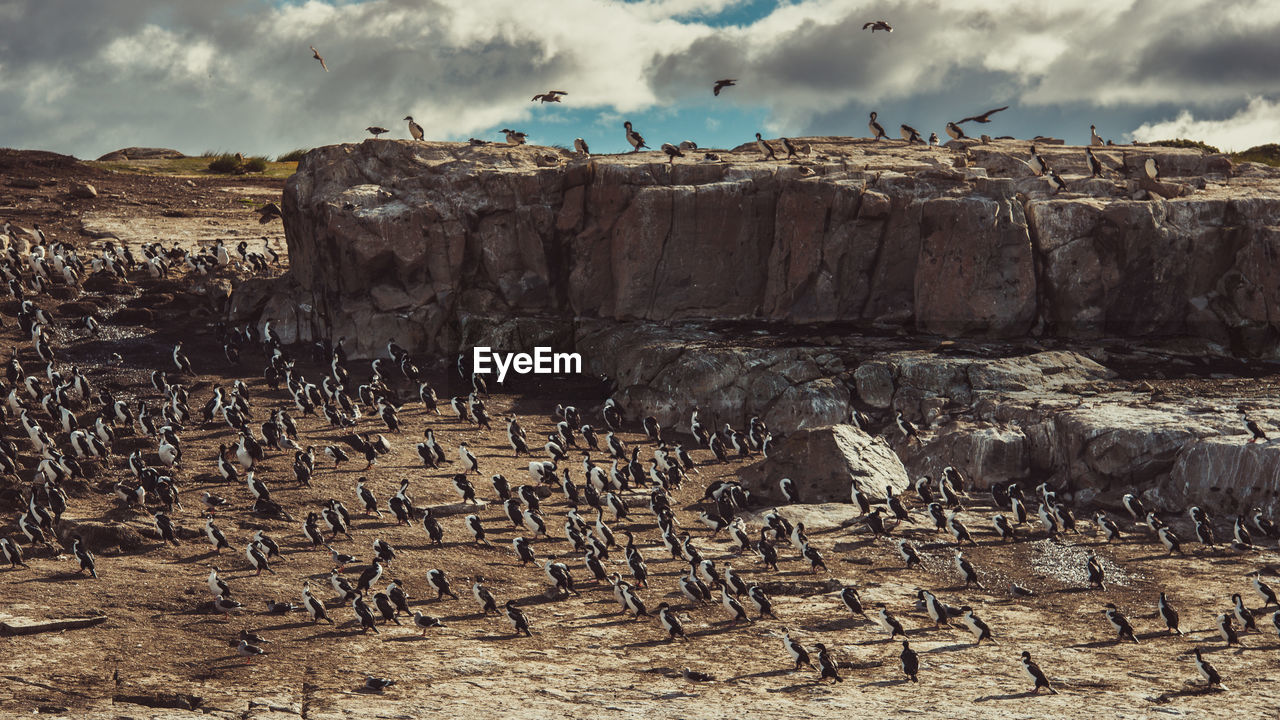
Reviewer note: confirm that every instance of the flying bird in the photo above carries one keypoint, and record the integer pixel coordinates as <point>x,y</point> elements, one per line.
<point>549,96</point>
<point>268,212</point>
<point>316,54</point>
<point>878,25</point>
<point>722,84</point>
<point>984,117</point>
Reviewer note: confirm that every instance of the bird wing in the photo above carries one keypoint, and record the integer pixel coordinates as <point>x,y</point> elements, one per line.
<point>557,92</point>
<point>867,25</point>
<point>984,116</point>
<point>537,97</point>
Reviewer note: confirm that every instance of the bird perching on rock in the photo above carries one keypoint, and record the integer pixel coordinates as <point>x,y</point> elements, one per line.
<point>415,130</point>
<point>634,138</point>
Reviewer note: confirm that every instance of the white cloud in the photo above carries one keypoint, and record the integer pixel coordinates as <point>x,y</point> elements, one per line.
<point>1255,124</point>
<point>238,74</point>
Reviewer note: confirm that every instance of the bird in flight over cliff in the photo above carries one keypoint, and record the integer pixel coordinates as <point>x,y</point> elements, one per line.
<point>316,54</point>
<point>549,96</point>
<point>878,25</point>
<point>984,117</point>
<point>722,84</point>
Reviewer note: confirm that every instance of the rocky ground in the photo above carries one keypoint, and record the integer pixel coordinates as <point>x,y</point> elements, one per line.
<point>161,645</point>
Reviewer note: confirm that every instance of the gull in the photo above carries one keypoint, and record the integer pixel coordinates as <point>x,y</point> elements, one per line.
<point>316,54</point>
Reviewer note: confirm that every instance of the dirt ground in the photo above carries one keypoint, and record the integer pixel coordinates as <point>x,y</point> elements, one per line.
<point>585,659</point>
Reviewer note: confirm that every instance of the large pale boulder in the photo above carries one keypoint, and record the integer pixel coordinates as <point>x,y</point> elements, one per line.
<point>824,463</point>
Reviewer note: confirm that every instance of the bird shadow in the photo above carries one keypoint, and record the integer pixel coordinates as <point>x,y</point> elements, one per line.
<point>287,626</point>
<point>950,648</point>
<point>1112,642</point>
<point>763,674</point>
<point>887,683</point>
<point>1189,692</point>
<point>610,623</point>
<point>650,643</point>
<point>721,629</point>
<point>1007,696</point>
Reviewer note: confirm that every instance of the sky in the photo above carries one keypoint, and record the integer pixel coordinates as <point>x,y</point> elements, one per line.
<point>85,77</point>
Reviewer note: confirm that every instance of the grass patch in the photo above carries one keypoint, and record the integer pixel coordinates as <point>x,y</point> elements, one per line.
<point>224,163</point>
<point>1268,154</point>
<point>1185,143</point>
<point>292,156</point>
<point>197,166</point>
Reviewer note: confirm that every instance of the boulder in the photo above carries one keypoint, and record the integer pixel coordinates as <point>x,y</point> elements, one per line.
<point>824,463</point>
<point>140,153</point>
<point>82,191</point>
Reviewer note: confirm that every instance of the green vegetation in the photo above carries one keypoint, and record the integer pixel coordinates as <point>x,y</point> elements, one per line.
<point>198,166</point>
<point>292,156</point>
<point>225,163</point>
<point>1185,143</point>
<point>1268,154</point>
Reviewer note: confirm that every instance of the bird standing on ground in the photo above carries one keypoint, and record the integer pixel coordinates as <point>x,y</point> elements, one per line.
<point>415,130</point>
<point>634,138</point>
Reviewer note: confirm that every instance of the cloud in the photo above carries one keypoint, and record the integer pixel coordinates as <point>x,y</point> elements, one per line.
<point>1253,124</point>
<point>86,78</point>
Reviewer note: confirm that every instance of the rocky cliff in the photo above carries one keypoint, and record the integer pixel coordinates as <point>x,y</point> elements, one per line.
<point>1101,330</point>
<point>412,239</point>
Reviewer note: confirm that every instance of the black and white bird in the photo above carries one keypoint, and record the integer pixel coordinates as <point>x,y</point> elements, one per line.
<point>1124,631</point>
<point>1035,674</point>
<point>980,630</point>
<point>415,130</point>
<point>1207,671</point>
<point>670,622</point>
<point>517,619</point>
<point>798,654</point>
<point>827,664</point>
<point>425,622</point>
<point>1264,590</point>
<point>636,141</point>
<point>877,131</point>
<point>910,662</point>
<point>1167,614</point>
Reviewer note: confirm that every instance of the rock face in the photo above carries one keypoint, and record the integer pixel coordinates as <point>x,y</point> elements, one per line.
<point>403,239</point>
<point>824,463</point>
<point>140,153</point>
<point>814,291</point>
